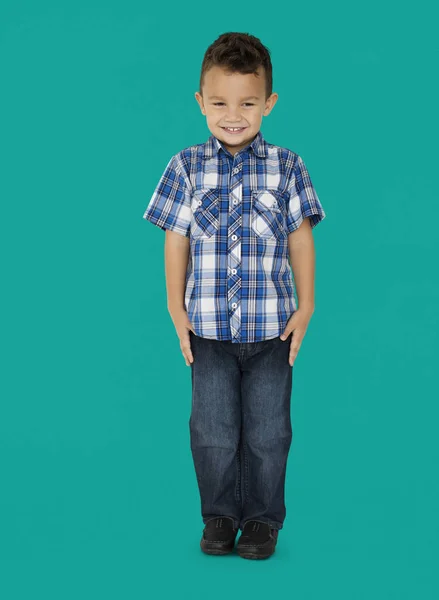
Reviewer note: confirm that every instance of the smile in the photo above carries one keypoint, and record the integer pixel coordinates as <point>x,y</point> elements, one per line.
<point>234,129</point>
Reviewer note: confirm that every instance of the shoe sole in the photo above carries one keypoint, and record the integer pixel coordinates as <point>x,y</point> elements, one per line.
<point>254,556</point>
<point>255,552</point>
<point>216,549</point>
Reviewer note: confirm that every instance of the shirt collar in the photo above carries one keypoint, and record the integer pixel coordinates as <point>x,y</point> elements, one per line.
<point>213,145</point>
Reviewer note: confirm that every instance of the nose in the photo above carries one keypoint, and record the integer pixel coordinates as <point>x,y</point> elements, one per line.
<point>232,116</point>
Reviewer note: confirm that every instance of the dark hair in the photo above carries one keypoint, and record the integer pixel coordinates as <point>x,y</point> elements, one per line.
<point>239,53</point>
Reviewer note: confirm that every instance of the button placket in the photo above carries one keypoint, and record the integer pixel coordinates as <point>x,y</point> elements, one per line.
<point>234,252</point>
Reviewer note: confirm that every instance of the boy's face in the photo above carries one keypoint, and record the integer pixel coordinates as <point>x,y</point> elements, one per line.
<point>234,100</point>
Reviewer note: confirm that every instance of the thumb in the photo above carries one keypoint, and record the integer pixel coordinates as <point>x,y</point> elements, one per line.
<point>285,334</point>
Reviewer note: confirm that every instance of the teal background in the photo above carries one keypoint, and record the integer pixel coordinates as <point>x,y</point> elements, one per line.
<point>96,473</point>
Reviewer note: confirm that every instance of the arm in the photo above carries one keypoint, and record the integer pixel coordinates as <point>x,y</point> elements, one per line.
<point>302,260</point>
<point>301,255</point>
<point>177,249</point>
<point>176,262</point>
<point>304,212</point>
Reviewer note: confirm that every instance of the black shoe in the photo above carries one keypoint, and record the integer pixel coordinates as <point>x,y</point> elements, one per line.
<point>219,536</point>
<point>257,540</point>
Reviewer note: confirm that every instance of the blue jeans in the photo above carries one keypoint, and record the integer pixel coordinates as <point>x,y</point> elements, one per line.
<point>240,427</point>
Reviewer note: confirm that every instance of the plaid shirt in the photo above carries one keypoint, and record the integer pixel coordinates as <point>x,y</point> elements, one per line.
<point>237,212</point>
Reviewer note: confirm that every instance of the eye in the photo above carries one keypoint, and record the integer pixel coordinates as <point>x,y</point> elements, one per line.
<point>218,103</point>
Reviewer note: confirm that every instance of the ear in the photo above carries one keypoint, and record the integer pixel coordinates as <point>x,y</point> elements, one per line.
<point>271,101</point>
<point>199,99</point>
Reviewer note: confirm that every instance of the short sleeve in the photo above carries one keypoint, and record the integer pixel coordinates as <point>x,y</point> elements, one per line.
<point>169,207</point>
<point>303,201</point>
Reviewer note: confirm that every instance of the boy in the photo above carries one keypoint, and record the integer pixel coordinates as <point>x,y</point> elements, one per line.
<point>236,210</point>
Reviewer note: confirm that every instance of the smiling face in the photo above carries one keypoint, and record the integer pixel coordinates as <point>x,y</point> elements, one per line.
<point>234,100</point>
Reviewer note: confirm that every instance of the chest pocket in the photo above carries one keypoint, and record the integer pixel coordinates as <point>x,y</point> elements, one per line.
<point>267,215</point>
<point>205,212</point>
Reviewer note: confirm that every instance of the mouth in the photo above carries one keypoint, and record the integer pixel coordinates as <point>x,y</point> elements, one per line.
<point>234,130</point>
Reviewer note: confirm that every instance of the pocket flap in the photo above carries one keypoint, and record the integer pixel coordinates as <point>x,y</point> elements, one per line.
<point>205,198</point>
<point>267,199</point>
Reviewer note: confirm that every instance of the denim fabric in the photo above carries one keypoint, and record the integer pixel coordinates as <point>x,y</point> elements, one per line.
<point>240,427</point>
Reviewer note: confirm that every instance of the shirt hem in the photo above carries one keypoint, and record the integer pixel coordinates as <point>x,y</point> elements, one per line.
<point>175,228</point>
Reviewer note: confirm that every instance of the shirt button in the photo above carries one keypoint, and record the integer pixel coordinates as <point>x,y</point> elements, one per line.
<point>200,202</point>
<point>235,201</point>
<point>235,171</point>
<point>233,271</point>
<point>234,237</point>
<point>234,305</point>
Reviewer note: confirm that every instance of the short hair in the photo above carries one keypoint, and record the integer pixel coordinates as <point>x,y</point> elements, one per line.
<point>239,53</point>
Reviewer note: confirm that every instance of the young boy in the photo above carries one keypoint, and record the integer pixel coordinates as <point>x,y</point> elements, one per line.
<point>238,211</point>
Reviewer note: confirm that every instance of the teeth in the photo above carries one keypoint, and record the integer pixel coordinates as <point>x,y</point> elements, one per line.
<point>233,128</point>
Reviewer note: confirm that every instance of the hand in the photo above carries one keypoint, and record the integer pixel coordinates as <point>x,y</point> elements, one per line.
<point>183,325</point>
<point>299,324</point>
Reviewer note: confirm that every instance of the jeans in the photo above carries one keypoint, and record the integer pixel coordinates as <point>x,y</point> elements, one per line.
<point>240,427</point>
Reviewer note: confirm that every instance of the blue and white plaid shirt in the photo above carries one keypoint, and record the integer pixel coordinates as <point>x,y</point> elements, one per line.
<point>237,212</point>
